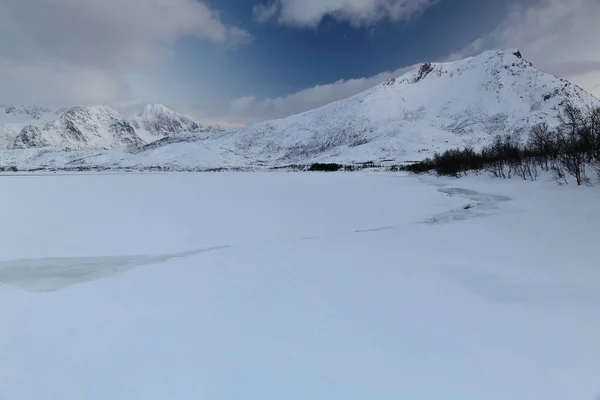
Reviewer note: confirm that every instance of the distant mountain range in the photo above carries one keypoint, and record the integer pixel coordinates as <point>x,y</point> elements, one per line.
<point>97,127</point>
<point>434,107</point>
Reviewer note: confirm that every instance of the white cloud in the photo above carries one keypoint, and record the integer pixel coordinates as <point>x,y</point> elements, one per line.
<point>472,49</point>
<point>58,84</point>
<point>309,13</point>
<point>243,103</point>
<point>108,33</point>
<point>250,109</point>
<point>97,41</point>
<point>558,36</point>
<point>264,12</point>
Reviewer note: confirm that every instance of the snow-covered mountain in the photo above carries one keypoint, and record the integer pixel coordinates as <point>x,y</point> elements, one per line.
<point>97,127</point>
<point>431,108</point>
<point>14,118</point>
<point>157,121</point>
<point>81,128</point>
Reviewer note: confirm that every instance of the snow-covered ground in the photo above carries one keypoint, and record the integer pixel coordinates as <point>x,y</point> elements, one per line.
<point>299,286</point>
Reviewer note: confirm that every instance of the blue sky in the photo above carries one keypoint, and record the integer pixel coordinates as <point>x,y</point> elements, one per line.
<point>286,59</point>
<point>238,61</point>
<point>282,59</point>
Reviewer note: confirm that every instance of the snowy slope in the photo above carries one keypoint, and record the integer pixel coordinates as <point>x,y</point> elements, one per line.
<point>433,107</point>
<point>7,137</point>
<point>297,286</point>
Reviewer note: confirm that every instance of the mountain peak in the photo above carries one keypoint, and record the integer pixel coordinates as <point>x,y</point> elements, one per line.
<point>490,62</point>
<point>157,121</point>
<point>516,52</point>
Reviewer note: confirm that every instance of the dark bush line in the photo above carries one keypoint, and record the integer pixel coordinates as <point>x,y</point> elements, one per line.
<point>572,149</point>
<point>333,167</point>
<point>325,167</point>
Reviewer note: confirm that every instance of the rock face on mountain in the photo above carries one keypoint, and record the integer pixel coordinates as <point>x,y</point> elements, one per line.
<point>431,108</point>
<point>96,127</point>
<point>30,137</point>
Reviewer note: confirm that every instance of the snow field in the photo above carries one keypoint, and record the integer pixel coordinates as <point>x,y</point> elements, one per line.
<point>296,286</point>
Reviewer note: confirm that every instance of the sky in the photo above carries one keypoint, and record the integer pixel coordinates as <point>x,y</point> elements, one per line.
<point>235,62</point>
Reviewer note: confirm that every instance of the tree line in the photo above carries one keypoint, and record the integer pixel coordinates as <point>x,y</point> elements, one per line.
<point>570,149</point>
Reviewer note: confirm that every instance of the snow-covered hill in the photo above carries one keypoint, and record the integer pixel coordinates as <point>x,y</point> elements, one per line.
<point>97,127</point>
<point>431,108</point>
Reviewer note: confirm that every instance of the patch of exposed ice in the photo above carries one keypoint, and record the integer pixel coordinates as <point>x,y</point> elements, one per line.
<point>51,274</point>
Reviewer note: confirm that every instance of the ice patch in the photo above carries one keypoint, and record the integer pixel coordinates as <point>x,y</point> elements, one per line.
<point>480,205</point>
<point>383,228</point>
<point>52,274</point>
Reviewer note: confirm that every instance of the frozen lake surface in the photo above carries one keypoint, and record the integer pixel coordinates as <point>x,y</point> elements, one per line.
<point>290,286</point>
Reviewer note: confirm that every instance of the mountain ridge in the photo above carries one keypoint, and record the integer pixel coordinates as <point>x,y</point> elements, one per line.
<point>90,127</point>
